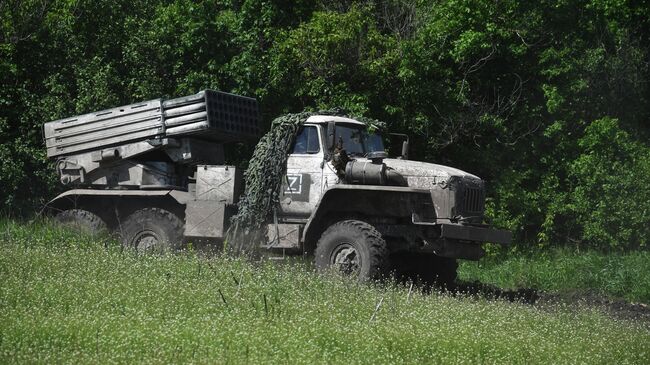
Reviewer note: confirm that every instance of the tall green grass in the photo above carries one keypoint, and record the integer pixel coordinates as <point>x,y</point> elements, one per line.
<point>620,275</point>
<point>65,298</point>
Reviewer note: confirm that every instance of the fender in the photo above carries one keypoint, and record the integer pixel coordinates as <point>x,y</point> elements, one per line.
<point>181,197</point>
<point>367,200</point>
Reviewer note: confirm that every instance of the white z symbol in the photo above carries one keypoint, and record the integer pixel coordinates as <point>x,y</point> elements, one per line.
<point>294,184</point>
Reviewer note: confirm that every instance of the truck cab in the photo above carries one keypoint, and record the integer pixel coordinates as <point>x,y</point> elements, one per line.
<point>426,215</point>
<point>309,166</point>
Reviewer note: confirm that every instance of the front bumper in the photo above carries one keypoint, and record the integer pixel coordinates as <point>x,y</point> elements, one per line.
<point>461,241</point>
<point>465,232</point>
<point>475,234</point>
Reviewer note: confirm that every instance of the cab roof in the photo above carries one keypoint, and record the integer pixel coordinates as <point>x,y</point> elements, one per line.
<point>322,119</point>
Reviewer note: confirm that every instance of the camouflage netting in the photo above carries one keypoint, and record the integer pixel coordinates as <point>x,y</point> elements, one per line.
<point>264,178</point>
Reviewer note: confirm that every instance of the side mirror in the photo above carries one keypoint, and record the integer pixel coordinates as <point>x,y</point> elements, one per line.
<point>405,144</point>
<point>405,149</point>
<point>331,135</point>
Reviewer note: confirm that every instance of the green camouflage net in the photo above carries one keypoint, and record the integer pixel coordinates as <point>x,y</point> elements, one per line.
<point>265,175</point>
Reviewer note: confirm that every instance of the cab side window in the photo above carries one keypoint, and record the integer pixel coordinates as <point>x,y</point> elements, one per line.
<point>306,141</point>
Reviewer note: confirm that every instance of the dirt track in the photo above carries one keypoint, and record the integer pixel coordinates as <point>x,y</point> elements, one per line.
<point>617,308</point>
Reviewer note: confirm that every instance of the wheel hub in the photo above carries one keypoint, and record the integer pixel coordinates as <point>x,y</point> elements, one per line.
<point>146,241</point>
<point>346,259</point>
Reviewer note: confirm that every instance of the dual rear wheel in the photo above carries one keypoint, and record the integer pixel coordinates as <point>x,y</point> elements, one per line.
<point>146,230</point>
<point>83,221</point>
<point>152,230</point>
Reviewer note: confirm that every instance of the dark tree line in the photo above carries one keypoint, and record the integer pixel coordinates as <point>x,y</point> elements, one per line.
<point>546,100</point>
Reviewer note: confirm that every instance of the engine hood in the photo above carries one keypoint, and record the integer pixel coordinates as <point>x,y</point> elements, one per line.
<point>455,194</point>
<point>426,175</point>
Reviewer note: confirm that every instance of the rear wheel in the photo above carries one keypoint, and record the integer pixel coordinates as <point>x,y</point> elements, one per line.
<point>83,221</point>
<point>353,248</point>
<point>152,230</point>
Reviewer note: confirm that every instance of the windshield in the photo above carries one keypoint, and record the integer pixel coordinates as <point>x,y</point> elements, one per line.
<point>357,140</point>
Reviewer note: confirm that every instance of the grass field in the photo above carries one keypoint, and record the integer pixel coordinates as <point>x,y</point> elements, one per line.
<point>618,275</point>
<point>67,298</point>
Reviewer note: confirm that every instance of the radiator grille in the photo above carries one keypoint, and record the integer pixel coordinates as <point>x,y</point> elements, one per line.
<point>474,200</point>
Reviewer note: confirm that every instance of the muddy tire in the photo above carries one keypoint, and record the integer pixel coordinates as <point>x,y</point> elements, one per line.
<point>83,221</point>
<point>353,248</point>
<point>152,230</point>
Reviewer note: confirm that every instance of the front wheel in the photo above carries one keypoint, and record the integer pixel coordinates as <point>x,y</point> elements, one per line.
<point>152,230</point>
<point>353,248</point>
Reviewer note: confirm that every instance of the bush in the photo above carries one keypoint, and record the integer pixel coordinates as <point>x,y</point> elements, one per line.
<point>611,192</point>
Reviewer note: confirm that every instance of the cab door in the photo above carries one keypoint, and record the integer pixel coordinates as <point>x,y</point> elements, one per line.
<point>301,188</point>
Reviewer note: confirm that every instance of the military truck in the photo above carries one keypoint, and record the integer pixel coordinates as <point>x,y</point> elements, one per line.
<point>155,173</point>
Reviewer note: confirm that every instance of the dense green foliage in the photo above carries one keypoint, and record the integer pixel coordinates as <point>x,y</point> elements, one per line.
<point>548,100</point>
<point>69,299</point>
<point>617,275</point>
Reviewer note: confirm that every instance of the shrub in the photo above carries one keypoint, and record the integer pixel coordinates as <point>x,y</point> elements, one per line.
<point>611,194</point>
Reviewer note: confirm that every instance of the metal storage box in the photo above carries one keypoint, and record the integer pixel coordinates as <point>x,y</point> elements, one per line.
<point>209,114</point>
<point>218,183</point>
